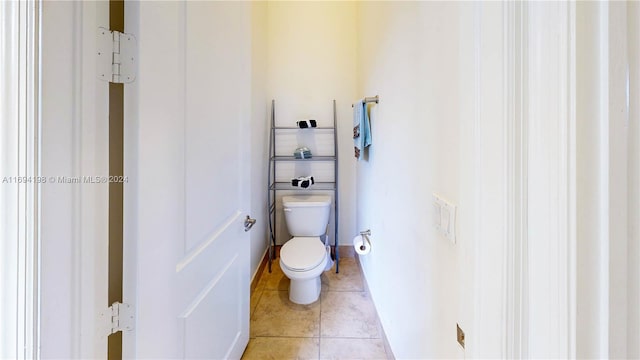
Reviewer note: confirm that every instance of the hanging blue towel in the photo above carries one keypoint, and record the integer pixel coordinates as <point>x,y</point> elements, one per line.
<point>361,128</point>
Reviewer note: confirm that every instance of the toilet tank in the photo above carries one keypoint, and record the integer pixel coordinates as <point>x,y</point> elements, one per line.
<point>307,215</point>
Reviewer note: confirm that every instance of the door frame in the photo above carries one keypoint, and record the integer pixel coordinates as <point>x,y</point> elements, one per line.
<point>548,246</point>
<point>74,218</point>
<point>538,145</point>
<point>20,175</point>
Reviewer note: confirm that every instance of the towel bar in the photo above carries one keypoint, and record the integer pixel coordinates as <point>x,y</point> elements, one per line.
<point>370,99</point>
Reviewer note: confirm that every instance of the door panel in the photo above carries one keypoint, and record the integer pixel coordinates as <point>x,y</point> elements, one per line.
<point>213,314</point>
<point>210,97</point>
<point>188,166</point>
<point>217,303</point>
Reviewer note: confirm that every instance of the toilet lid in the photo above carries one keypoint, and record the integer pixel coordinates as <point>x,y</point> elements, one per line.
<point>303,253</point>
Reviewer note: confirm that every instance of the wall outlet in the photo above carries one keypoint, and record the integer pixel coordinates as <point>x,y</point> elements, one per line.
<point>460,336</point>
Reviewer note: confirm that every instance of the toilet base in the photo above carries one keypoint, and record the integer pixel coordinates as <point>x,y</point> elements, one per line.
<point>305,291</point>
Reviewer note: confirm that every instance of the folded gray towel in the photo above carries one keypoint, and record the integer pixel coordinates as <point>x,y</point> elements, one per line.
<point>302,153</point>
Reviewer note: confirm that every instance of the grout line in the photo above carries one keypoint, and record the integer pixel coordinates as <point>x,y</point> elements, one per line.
<point>320,319</point>
<point>286,337</point>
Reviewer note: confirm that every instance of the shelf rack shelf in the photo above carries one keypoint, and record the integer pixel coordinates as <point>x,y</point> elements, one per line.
<point>274,186</point>
<point>297,128</point>
<point>314,158</point>
<point>318,186</point>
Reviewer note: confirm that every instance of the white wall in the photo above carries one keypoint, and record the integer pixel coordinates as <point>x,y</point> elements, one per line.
<point>258,142</point>
<point>418,57</point>
<point>469,109</point>
<point>312,61</point>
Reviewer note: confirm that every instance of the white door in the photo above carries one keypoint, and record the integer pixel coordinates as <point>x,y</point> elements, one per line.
<point>186,251</point>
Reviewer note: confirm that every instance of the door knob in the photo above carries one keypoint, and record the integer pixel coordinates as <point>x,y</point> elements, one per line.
<point>248,223</point>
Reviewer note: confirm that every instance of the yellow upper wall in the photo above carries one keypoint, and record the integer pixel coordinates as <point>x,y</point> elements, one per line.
<point>311,60</point>
<point>311,51</point>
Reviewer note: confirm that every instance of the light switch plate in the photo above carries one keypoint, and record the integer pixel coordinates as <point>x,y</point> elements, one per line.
<point>444,217</point>
<point>437,208</point>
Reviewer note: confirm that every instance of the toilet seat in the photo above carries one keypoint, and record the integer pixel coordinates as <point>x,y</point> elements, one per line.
<point>303,253</point>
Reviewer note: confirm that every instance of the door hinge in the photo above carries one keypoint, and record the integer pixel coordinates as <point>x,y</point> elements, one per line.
<point>116,56</point>
<point>117,317</point>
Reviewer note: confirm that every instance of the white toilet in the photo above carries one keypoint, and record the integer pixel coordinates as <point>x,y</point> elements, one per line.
<point>303,258</point>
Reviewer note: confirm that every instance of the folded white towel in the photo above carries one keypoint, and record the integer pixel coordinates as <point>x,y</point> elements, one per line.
<point>303,124</point>
<point>303,181</point>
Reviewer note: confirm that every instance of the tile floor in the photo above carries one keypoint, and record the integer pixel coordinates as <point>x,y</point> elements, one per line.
<point>342,324</point>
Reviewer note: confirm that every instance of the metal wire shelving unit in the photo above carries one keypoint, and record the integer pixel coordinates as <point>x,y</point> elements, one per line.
<point>274,186</point>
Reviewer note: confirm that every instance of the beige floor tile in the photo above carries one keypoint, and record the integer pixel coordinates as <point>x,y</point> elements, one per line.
<point>276,315</point>
<point>348,314</point>
<point>255,298</point>
<point>281,348</point>
<point>276,280</point>
<point>370,349</point>
<point>347,252</point>
<point>344,317</point>
<point>348,279</point>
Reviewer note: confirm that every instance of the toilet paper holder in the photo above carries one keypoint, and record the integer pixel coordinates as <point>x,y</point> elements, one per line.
<point>365,236</point>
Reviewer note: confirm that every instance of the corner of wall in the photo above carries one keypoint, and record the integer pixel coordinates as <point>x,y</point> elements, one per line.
<point>258,137</point>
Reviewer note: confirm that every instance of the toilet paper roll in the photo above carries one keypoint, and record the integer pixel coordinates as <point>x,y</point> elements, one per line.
<point>362,245</point>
